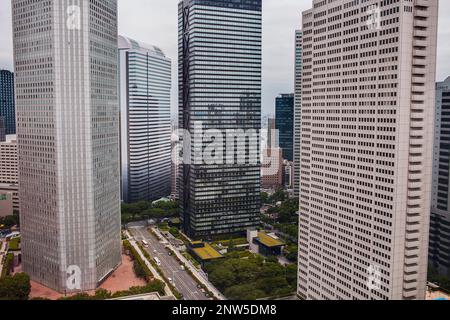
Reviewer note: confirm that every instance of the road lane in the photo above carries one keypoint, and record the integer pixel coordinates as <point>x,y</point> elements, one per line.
<point>182,281</point>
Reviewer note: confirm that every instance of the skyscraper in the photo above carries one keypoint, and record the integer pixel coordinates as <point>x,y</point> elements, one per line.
<point>220,89</point>
<point>65,56</point>
<point>284,123</point>
<point>297,111</point>
<point>439,253</point>
<point>145,83</point>
<point>367,120</point>
<point>7,105</point>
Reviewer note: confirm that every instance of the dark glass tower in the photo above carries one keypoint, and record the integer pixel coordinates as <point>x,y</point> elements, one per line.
<point>7,106</point>
<point>220,87</point>
<point>439,245</point>
<point>284,123</point>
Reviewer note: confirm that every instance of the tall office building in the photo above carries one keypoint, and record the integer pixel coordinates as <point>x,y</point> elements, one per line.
<point>284,123</point>
<point>367,135</point>
<point>272,134</point>
<point>8,161</point>
<point>297,111</point>
<point>145,83</point>
<point>220,88</point>
<point>439,252</point>
<point>9,188</point>
<point>7,105</point>
<point>65,55</point>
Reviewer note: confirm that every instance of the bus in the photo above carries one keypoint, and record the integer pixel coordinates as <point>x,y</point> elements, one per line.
<point>145,243</point>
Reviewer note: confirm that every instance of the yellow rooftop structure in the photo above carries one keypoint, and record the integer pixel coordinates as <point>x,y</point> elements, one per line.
<point>205,252</point>
<point>269,241</point>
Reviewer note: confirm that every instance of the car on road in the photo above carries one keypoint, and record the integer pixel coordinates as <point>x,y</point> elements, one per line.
<point>183,268</point>
<point>145,243</point>
<point>158,262</point>
<point>170,280</point>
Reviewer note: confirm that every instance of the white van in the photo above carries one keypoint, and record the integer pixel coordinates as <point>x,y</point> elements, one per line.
<point>158,262</point>
<point>145,243</point>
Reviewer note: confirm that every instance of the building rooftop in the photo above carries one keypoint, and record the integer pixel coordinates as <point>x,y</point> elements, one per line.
<point>128,43</point>
<point>269,241</point>
<point>206,252</point>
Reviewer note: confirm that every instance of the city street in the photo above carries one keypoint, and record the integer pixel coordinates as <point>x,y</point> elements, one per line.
<point>182,281</point>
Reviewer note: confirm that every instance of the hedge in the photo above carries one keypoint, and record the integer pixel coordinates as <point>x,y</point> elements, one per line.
<point>7,265</point>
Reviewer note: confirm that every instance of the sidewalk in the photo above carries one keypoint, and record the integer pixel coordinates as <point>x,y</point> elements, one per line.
<point>201,276</point>
<point>149,265</point>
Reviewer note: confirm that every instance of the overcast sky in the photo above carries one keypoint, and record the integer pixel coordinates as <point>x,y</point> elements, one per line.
<point>156,22</point>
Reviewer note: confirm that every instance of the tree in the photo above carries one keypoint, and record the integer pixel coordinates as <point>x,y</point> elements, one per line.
<point>175,232</point>
<point>222,278</point>
<point>102,294</point>
<point>244,292</point>
<point>265,197</point>
<point>291,274</point>
<point>231,246</point>
<point>10,221</point>
<point>279,195</point>
<point>138,270</point>
<point>17,287</point>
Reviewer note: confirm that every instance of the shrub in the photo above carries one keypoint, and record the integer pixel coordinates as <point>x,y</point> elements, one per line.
<point>15,287</point>
<point>7,265</point>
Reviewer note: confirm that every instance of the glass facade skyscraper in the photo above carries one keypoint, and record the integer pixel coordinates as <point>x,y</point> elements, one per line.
<point>220,88</point>
<point>145,83</point>
<point>439,251</point>
<point>65,55</point>
<point>284,123</point>
<point>7,105</point>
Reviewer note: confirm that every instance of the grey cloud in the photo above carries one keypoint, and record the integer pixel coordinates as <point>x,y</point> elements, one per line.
<point>156,22</point>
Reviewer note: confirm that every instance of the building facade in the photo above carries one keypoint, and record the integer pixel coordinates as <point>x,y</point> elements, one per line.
<point>2,129</point>
<point>297,111</point>
<point>7,101</point>
<point>272,173</point>
<point>145,84</point>
<point>220,90</point>
<point>9,188</point>
<point>366,152</point>
<point>174,186</point>
<point>439,252</point>
<point>65,55</point>
<point>284,123</point>
<point>8,161</point>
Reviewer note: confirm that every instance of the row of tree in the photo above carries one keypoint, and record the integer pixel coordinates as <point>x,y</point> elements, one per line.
<point>144,210</point>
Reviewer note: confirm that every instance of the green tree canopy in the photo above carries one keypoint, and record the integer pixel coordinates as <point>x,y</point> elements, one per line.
<point>15,287</point>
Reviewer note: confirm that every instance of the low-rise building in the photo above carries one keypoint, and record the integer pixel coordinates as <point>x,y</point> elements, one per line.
<point>268,244</point>
<point>203,252</point>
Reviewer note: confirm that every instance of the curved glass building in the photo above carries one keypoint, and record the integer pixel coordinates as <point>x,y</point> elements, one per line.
<point>145,83</point>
